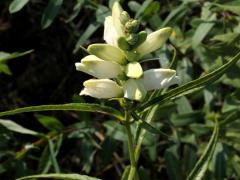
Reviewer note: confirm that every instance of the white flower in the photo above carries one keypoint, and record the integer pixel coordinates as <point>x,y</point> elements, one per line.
<point>134,89</point>
<point>159,78</point>
<point>134,70</point>
<point>154,41</point>
<point>110,34</point>
<point>102,89</point>
<point>99,68</point>
<point>107,52</point>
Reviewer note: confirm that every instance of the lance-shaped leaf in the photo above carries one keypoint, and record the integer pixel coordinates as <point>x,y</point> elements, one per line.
<point>134,70</point>
<point>70,107</point>
<point>107,52</point>
<point>134,89</point>
<point>159,78</point>
<point>59,176</point>
<point>12,126</point>
<point>154,41</point>
<point>102,89</point>
<point>99,68</point>
<point>201,166</point>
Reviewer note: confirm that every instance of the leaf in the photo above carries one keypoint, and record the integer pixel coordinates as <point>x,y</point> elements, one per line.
<point>202,30</point>
<point>53,155</point>
<point>60,176</point>
<point>172,163</point>
<point>51,123</point>
<point>126,173</point>
<point>4,57</point>
<point>201,166</point>
<point>76,10</point>
<point>71,106</point>
<point>17,5</point>
<point>50,13</point>
<point>12,126</point>
<point>233,6</point>
<point>88,32</point>
<point>5,69</point>
<point>195,84</point>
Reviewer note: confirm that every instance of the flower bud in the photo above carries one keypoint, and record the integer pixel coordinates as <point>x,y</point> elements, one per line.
<point>124,17</point>
<point>134,70</point>
<point>132,39</point>
<point>142,36</point>
<point>107,52</point>
<point>154,41</point>
<point>132,26</point>
<point>102,89</point>
<point>123,44</point>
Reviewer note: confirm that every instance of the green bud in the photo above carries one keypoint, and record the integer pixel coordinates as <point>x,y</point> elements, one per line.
<point>124,17</point>
<point>132,26</point>
<point>123,44</point>
<point>132,39</point>
<point>132,55</point>
<point>142,36</point>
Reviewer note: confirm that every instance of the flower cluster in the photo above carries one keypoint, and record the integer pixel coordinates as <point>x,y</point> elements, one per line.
<point>115,64</point>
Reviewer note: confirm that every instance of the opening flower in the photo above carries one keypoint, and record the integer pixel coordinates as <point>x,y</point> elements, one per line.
<point>115,64</point>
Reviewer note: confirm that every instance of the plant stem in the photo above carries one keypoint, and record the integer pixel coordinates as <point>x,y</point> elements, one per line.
<point>133,167</point>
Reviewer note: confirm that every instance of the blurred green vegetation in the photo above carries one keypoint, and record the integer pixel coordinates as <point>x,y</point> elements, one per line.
<point>206,34</point>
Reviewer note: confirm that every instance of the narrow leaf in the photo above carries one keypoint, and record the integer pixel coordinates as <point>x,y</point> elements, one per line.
<point>12,126</point>
<point>17,5</point>
<point>60,176</point>
<point>50,12</point>
<point>195,84</point>
<point>201,166</point>
<point>4,56</point>
<point>70,106</point>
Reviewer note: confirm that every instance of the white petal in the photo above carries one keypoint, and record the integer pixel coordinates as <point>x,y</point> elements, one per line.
<point>134,90</point>
<point>101,88</point>
<point>116,12</point>
<point>159,78</point>
<point>99,68</point>
<point>110,34</point>
<point>107,52</point>
<point>134,70</point>
<point>154,41</point>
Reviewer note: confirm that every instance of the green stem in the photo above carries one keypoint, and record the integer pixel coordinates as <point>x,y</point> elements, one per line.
<point>133,166</point>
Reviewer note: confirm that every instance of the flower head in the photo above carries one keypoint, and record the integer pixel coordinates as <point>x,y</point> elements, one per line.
<point>116,65</point>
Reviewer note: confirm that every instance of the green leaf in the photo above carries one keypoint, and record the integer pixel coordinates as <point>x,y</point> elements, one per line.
<point>172,163</point>
<point>50,12</point>
<point>202,30</point>
<point>12,126</point>
<point>70,106</point>
<point>233,6</point>
<point>76,10</point>
<point>51,123</point>
<point>126,173</point>
<point>53,155</point>
<point>5,69</point>
<point>84,37</point>
<point>201,166</point>
<point>17,5</point>
<point>60,176</point>
<point>4,57</point>
<point>190,86</point>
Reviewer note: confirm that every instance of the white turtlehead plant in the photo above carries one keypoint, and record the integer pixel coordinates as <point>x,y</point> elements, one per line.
<point>115,64</point>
